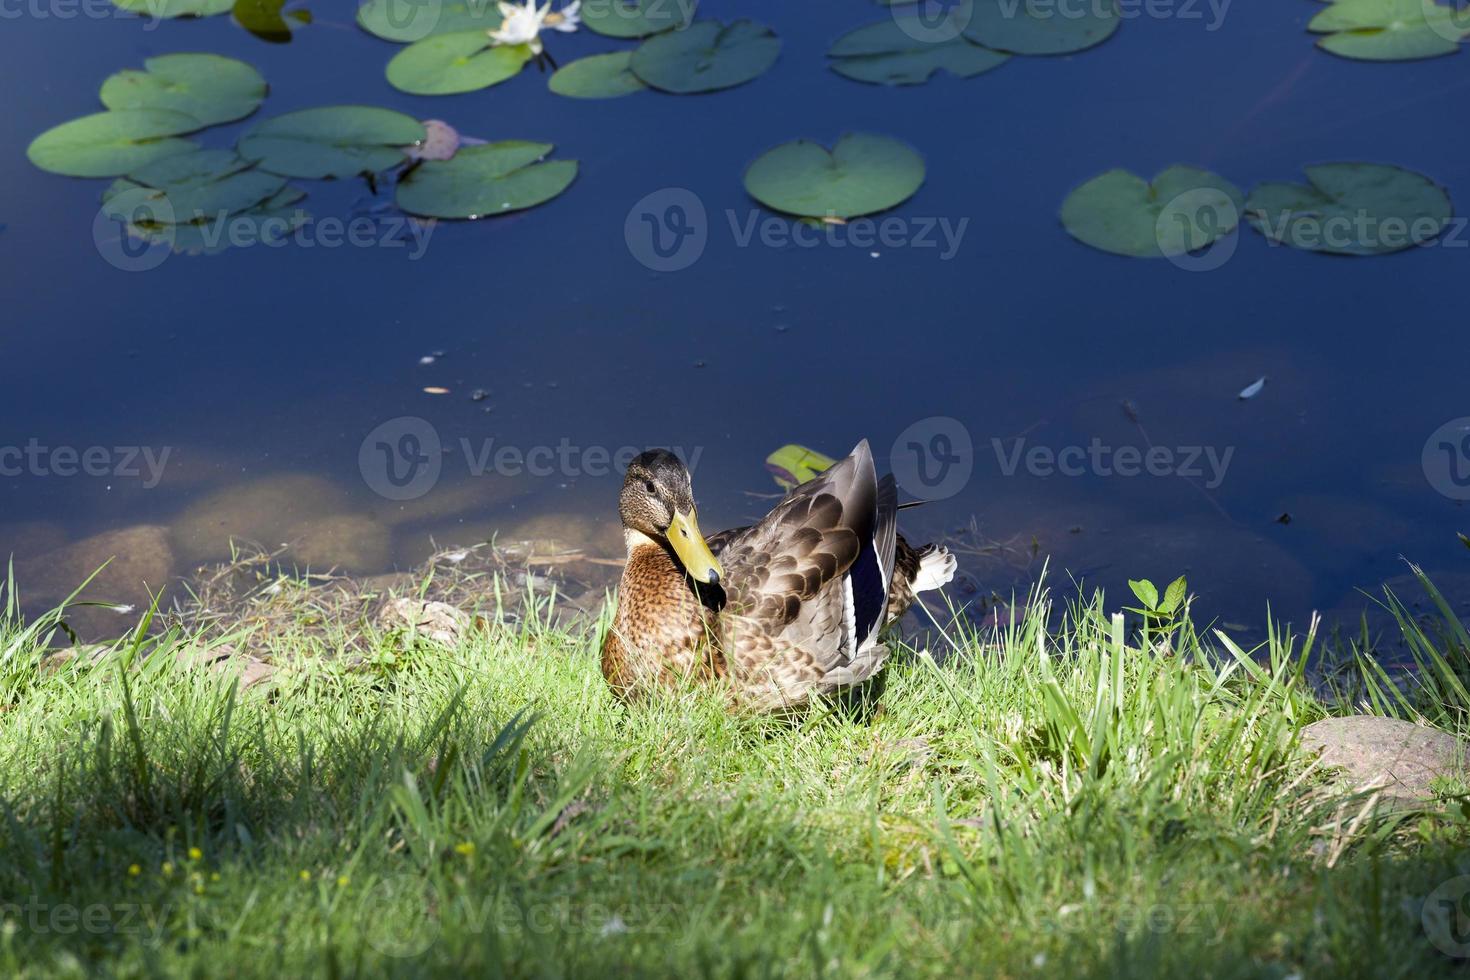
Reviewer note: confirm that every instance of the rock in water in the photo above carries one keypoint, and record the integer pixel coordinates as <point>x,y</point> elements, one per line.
<point>1400,757</point>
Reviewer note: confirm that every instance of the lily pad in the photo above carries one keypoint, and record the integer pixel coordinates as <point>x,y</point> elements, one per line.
<point>446,64</point>
<point>106,144</point>
<point>333,141</point>
<point>484,180</point>
<point>706,56</point>
<point>268,223</point>
<point>886,53</point>
<point>269,20</point>
<point>1390,30</point>
<point>862,174</point>
<point>201,186</point>
<point>1351,209</point>
<point>169,9</point>
<point>406,21</point>
<point>211,88</point>
<point>1041,26</point>
<point>1183,210</point>
<point>635,18</point>
<point>600,76</point>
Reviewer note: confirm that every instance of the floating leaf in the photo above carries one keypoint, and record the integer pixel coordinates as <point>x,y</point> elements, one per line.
<point>862,174</point>
<point>199,186</point>
<point>706,56</point>
<point>484,180</point>
<point>211,88</point>
<point>600,76</point>
<point>1253,389</point>
<point>406,21</point>
<point>1390,30</point>
<point>889,54</point>
<point>1041,26</point>
<point>464,61</point>
<point>1183,210</point>
<point>267,21</point>
<point>168,9</point>
<point>793,464</point>
<point>1463,538</point>
<point>636,18</point>
<point>333,141</point>
<point>1351,209</point>
<point>107,144</point>
<point>269,222</point>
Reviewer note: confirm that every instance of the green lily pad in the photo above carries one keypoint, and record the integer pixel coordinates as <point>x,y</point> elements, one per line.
<point>269,20</point>
<point>169,9</point>
<point>862,174</point>
<point>268,223</point>
<point>886,53</point>
<point>600,76</point>
<point>1390,30</point>
<point>1351,209</point>
<point>201,186</point>
<point>406,21</point>
<point>332,141</point>
<point>635,18</point>
<point>706,56</point>
<point>211,88</point>
<point>1041,26</point>
<point>1183,210</point>
<point>485,180</point>
<point>464,61</point>
<point>106,144</point>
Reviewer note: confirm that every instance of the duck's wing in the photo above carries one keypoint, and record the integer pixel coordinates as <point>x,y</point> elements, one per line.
<point>807,587</point>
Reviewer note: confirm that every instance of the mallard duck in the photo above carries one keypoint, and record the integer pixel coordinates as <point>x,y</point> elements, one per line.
<point>780,611</point>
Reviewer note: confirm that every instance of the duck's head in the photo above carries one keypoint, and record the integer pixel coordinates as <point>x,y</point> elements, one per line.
<point>658,502</point>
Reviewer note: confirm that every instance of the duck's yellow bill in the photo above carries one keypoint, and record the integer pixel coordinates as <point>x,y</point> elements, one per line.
<point>693,550</point>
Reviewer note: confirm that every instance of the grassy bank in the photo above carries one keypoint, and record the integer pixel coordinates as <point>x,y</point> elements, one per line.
<point>1079,801</point>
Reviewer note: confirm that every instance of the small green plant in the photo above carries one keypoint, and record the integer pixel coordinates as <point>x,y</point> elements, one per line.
<point>1160,616</point>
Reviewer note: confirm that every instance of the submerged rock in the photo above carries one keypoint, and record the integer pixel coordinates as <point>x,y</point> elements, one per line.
<point>261,512</point>
<point>345,541</point>
<point>138,560</point>
<point>1397,756</point>
<point>27,539</point>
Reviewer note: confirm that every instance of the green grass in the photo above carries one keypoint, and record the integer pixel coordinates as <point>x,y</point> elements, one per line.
<point>1078,801</point>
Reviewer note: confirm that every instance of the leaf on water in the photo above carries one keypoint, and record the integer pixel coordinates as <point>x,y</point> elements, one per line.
<point>406,21</point>
<point>1351,209</point>
<point>706,56</point>
<point>1183,210</point>
<point>169,9</point>
<point>1041,27</point>
<point>600,76</point>
<point>894,52</point>
<point>1253,389</point>
<point>636,18</point>
<point>1463,539</point>
<point>205,185</point>
<point>331,141</point>
<point>210,87</point>
<point>272,220</point>
<point>268,20</point>
<point>862,174</point>
<point>1390,30</point>
<point>480,181</point>
<point>448,64</point>
<point>107,144</point>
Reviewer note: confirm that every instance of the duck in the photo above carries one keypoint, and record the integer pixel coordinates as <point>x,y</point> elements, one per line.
<point>779,613</point>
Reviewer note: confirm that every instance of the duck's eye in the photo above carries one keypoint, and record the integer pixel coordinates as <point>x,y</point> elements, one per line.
<point>648,485</point>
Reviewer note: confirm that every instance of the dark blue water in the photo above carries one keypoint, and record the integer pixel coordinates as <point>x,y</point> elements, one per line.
<point>261,362</point>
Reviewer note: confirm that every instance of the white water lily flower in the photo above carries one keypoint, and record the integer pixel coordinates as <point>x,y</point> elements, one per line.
<point>523,25</point>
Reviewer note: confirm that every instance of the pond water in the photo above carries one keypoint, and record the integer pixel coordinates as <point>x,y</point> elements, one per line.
<point>261,372</point>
